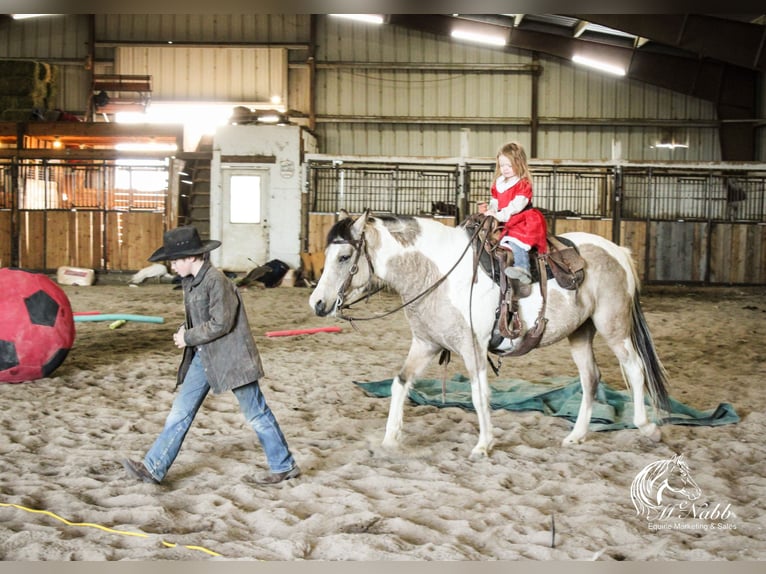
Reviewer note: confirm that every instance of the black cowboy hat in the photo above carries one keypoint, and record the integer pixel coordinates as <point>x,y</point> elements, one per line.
<point>182,242</point>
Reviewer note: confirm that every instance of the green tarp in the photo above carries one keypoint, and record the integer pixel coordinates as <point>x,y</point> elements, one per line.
<point>558,397</point>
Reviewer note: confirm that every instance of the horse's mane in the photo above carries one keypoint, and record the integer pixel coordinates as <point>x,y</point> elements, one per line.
<point>341,231</point>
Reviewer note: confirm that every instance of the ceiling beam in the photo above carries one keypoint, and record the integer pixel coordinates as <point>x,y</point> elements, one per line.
<point>580,27</point>
<point>732,88</point>
<point>731,41</point>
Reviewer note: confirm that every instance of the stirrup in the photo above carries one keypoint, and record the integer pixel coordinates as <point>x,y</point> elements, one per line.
<point>518,273</point>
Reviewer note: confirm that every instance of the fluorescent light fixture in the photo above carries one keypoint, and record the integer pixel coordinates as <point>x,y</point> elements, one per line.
<point>599,65</point>
<point>671,145</point>
<point>27,16</point>
<point>269,118</point>
<point>367,18</point>
<point>478,38</point>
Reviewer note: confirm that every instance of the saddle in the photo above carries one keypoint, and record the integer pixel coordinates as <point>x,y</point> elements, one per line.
<point>562,262</point>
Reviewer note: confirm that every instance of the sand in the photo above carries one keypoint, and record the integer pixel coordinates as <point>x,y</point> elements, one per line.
<point>62,439</point>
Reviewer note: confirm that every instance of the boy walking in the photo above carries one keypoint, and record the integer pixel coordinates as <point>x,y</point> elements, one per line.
<point>219,353</point>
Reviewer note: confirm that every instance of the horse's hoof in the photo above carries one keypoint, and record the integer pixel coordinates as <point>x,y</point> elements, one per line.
<point>390,444</point>
<point>480,452</point>
<point>652,431</point>
<point>572,438</point>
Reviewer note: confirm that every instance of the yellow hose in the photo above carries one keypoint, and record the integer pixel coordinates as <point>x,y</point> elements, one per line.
<point>104,528</point>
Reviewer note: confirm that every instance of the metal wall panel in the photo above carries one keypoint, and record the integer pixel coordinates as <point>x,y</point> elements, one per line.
<point>72,89</point>
<point>223,28</point>
<point>578,95</point>
<point>60,40</point>
<point>583,115</point>
<point>182,73</point>
<point>51,38</point>
<point>408,108</point>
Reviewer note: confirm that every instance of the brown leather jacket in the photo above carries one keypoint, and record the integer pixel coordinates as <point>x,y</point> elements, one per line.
<point>217,329</point>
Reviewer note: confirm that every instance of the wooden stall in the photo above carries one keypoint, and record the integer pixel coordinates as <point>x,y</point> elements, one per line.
<point>738,253</point>
<point>76,200</point>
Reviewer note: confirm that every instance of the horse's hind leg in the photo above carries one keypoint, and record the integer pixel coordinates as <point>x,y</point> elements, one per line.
<point>633,371</point>
<point>581,342</point>
<point>420,354</point>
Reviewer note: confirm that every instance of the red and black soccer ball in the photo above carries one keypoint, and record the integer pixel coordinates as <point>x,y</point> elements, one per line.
<point>36,326</point>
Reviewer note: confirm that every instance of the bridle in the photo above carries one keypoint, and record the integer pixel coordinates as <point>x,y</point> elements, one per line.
<point>360,246</point>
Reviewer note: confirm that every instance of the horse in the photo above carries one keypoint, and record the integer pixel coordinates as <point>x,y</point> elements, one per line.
<point>660,481</point>
<point>450,307</point>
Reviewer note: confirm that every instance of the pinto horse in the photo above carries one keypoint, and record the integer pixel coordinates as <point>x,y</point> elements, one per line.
<point>450,308</point>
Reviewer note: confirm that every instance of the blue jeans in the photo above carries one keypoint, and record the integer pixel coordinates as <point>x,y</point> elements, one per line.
<point>520,256</point>
<point>191,393</point>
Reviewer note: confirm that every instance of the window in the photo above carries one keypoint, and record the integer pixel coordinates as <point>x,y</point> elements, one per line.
<point>245,198</point>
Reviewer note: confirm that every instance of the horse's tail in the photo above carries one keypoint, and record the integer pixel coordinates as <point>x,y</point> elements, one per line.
<point>656,376</point>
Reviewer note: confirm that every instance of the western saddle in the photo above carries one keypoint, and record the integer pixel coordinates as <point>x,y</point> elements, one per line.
<point>562,262</point>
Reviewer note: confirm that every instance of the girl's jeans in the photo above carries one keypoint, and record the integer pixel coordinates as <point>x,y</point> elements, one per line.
<point>520,255</point>
<point>191,393</point>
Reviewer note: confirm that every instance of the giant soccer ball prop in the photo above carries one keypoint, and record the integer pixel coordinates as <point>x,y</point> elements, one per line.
<point>36,326</point>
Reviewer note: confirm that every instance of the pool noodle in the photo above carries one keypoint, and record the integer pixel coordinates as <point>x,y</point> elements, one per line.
<point>117,317</point>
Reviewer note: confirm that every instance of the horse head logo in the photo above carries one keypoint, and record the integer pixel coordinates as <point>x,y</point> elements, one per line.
<point>663,484</point>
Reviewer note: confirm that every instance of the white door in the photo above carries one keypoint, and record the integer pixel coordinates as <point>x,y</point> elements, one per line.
<point>245,222</point>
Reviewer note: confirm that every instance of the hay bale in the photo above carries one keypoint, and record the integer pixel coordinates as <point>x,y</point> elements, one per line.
<point>22,102</point>
<point>44,72</point>
<point>26,85</point>
<point>20,86</point>
<point>19,68</point>
<point>18,115</point>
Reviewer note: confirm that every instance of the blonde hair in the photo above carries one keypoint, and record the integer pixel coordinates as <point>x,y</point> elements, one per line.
<point>514,151</point>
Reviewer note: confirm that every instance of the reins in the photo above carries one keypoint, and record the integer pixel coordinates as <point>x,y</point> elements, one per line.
<point>360,246</point>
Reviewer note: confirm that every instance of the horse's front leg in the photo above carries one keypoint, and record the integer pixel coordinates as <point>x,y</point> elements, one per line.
<point>420,354</point>
<point>480,395</point>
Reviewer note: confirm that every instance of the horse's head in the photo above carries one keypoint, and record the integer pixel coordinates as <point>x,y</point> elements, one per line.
<point>348,271</point>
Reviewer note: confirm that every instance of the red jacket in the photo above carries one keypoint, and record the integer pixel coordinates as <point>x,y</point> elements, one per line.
<point>528,226</point>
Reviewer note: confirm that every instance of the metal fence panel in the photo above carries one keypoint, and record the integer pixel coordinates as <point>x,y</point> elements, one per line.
<point>403,190</point>
<point>698,195</point>
<point>588,191</point>
<point>45,185</point>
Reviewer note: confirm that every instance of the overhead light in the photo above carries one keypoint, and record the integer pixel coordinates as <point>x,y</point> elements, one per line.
<point>27,16</point>
<point>479,38</point>
<point>671,145</point>
<point>599,65</point>
<point>269,118</point>
<point>367,18</point>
